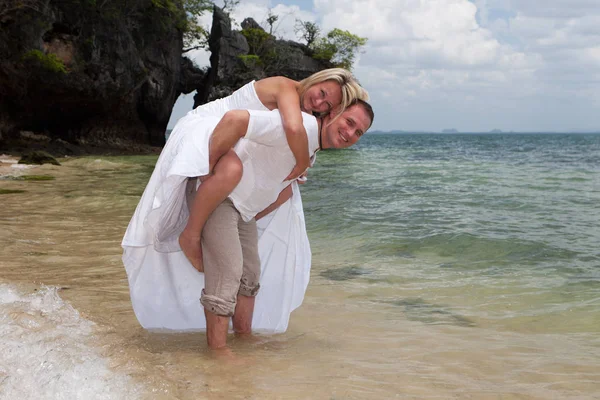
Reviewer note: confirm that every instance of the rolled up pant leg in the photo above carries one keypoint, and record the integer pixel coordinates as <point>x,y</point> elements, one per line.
<point>223,260</point>
<point>248,234</point>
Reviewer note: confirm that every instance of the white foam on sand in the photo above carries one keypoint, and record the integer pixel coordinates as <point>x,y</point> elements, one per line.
<point>9,166</point>
<point>44,351</point>
<point>20,166</point>
<point>7,158</point>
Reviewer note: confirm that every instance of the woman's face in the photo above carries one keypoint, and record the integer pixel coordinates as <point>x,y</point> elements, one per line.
<point>321,97</point>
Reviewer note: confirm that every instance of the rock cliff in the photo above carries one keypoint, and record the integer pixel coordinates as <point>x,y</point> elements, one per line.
<point>90,72</point>
<point>230,64</point>
<point>108,73</point>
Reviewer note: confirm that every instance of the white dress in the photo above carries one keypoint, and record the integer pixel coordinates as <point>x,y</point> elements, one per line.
<point>164,287</point>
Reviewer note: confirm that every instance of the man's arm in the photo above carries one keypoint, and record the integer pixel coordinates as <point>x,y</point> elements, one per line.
<point>232,127</point>
<point>284,196</point>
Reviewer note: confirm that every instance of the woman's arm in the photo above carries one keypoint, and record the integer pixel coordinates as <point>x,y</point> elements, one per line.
<point>283,93</point>
<point>284,196</point>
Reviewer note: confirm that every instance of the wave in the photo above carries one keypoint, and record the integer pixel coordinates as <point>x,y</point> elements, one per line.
<point>45,351</point>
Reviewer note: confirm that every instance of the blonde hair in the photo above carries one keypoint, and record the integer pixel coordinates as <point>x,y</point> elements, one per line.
<point>351,89</point>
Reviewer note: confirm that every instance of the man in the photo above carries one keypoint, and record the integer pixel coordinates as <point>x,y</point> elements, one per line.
<point>229,238</point>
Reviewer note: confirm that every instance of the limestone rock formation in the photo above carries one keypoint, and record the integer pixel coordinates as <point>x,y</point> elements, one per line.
<point>89,72</point>
<point>230,51</point>
<point>107,73</point>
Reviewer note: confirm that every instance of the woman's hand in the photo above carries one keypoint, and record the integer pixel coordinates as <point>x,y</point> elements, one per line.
<point>303,178</point>
<point>299,170</point>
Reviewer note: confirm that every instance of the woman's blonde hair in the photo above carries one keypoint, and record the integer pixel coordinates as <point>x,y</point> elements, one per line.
<point>351,89</point>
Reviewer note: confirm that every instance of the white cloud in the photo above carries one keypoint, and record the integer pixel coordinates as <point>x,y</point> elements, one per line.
<point>516,57</point>
<point>593,54</point>
<point>566,41</point>
<point>478,64</point>
<point>430,33</point>
<point>556,9</point>
<point>287,15</point>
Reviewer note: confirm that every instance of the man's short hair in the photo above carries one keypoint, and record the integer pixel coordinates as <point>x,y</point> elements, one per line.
<point>367,107</point>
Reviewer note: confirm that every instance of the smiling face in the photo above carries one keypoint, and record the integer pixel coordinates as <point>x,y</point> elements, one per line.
<point>347,129</point>
<point>321,97</point>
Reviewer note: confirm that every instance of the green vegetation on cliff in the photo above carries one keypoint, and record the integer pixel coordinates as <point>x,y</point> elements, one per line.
<point>250,60</point>
<point>263,53</point>
<point>339,47</point>
<point>257,40</point>
<point>48,61</point>
<point>194,35</point>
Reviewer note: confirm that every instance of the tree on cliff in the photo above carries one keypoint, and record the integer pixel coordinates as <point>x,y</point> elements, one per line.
<point>308,31</point>
<point>229,6</point>
<point>338,46</point>
<point>271,19</point>
<point>195,36</point>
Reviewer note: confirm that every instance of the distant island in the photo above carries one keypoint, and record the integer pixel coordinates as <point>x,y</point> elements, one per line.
<point>493,131</point>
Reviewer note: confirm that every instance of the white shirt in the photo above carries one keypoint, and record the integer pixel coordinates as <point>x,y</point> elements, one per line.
<point>267,160</point>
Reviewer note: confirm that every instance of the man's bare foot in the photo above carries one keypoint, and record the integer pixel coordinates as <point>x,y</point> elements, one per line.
<point>191,247</point>
<point>226,355</point>
<point>249,338</point>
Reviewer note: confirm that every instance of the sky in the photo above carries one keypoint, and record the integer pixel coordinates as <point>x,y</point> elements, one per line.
<point>470,65</point>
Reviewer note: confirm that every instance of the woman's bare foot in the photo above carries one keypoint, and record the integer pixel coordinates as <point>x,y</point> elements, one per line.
<point>191,247</point>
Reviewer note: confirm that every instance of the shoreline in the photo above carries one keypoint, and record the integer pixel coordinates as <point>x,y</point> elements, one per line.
<point>59,148</point>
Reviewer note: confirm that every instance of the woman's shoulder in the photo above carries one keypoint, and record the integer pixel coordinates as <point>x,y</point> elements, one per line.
<point>270,89</point>
<point>274,83</point>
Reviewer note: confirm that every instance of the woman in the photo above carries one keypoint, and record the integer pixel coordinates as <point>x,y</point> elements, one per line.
<point>315,94</point>
<point>164,286</point>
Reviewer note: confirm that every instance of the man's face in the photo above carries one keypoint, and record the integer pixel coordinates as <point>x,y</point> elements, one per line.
<point>347,129</point>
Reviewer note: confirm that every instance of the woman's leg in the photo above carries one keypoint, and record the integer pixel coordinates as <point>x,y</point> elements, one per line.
<point>214,189</point>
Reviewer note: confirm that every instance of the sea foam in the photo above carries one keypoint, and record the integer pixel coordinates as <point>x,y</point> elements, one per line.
<point>45,351</point>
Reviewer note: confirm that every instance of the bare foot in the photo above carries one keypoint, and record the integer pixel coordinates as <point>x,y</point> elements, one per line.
<point>249,338</point>
<point>226,355</point>
<point>190,245</point>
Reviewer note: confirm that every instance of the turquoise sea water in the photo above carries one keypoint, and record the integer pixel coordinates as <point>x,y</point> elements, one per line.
<point>444,267</point>
<point>475,230</point>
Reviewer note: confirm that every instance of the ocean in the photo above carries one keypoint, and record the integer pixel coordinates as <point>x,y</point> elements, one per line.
<point>461,266</point>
